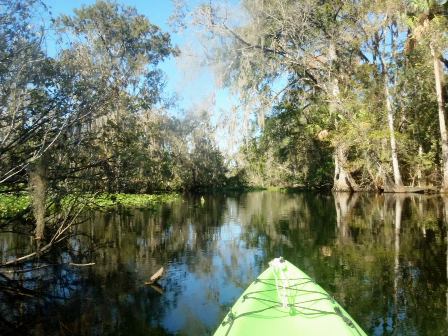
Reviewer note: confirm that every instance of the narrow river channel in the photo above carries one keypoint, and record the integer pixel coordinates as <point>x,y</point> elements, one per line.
<point>383,257</point>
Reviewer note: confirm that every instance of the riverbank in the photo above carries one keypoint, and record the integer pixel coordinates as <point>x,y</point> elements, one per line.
<point>143,201</point>
<point>12,205</point>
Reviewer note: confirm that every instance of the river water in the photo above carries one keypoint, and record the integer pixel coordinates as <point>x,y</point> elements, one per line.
<point>383,257</point>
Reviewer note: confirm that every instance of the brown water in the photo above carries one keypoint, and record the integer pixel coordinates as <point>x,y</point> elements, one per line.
<point>383,257</point>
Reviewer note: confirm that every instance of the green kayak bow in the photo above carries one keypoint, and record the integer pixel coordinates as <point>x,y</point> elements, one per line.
<point>283,300</point>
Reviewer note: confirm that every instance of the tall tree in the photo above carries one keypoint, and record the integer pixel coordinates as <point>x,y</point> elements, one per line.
<point>429,23</point>
<point>382,41</point>
<point>29,124</point>
<point>111,70</point>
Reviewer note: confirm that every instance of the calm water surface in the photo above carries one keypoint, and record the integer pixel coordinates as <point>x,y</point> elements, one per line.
<point>383,257</point>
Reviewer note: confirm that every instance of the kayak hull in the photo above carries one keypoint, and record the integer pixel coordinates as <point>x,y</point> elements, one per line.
<point>283,300</point>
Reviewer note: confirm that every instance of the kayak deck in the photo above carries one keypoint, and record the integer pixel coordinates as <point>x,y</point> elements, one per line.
<point>285,301</point>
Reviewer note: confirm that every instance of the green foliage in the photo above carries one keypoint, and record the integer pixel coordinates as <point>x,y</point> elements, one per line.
<point>288,153</point>
<point>364,69</point>
<point>121,46</point>
<point>129,144</point>
<point>28,123</point>
<point>12,205</point>
<point>104,201</point>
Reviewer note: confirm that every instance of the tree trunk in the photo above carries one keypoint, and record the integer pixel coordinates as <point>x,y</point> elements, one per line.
<point>419,167</point>
<point>342,181</point>
<point>38,192</point>
<point>393,144</point>
<point>442,120</point>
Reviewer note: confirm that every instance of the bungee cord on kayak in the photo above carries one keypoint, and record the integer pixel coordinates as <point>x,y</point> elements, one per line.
<point>281,303</point>
<point>277,264</point>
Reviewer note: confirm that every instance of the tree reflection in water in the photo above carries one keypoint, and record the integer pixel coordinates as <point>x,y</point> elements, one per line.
<point>382,256</point>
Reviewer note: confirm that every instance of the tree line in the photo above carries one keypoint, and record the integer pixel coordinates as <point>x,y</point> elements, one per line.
<point>354,91</point>
<point>91,115</point>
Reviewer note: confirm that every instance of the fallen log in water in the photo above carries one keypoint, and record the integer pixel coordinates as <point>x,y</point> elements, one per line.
<point>406,189</point>
<point>156,276</point>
